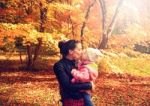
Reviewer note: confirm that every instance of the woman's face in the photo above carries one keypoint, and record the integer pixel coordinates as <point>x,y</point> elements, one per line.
<point>76,53</point>
<point>84,56</point>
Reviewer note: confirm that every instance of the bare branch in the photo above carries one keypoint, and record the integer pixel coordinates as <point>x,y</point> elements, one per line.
<point>103,12</point>
<point>113,21</point>
<point>86,18</point>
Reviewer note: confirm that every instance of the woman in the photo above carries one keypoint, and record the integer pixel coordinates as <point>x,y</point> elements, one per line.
<point>70,93</point>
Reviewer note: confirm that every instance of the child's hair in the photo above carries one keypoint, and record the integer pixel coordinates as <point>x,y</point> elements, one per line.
<point>65,46</point>
<point>92,54</point>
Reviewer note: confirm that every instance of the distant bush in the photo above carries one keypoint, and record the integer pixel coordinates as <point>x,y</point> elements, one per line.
<point>142,47</point>
<point>131,53</point>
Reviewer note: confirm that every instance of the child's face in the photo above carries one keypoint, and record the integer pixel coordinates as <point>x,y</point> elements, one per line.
<point>84,56</point>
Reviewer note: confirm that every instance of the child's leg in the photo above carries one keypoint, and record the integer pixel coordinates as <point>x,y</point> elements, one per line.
<point>87,99</point>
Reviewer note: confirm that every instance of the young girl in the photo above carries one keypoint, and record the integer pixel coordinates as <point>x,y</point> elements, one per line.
<point>87,71</point>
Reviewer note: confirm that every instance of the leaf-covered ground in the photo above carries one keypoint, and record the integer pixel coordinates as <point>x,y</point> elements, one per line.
<point>20,88</point>
<point>124,80</point>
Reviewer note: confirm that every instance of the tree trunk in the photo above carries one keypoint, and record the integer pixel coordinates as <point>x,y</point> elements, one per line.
<point>43,12</point>
<point>103,13</point>
<point>104,41</point>
<point>36,52</point>
<point>20,55</point>
<point>72,27</point>
<point>107,32</point>
<point>29,53</point>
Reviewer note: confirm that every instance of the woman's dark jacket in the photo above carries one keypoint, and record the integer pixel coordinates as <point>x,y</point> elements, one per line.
<point>62,70</point>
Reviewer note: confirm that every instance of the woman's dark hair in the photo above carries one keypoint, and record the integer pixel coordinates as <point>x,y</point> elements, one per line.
<point>65,46</point>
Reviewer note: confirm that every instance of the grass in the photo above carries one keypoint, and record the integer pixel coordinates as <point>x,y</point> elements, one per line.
<point>133,66</point>
<point>137,65</point>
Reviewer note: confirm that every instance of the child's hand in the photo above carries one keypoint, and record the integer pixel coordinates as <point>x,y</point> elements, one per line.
<point>93,86</point>
<point>73,71</point>
<point>73,80</point>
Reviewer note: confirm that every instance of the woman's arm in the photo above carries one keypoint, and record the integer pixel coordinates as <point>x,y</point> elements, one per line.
<point>65,82</point>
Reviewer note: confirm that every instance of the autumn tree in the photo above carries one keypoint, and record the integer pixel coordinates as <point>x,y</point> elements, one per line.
<point>107,28</point>
<point>44,15</point>
<point>30,9</point>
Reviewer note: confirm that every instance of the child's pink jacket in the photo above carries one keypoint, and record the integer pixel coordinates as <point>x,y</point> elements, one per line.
<point>86,72</point>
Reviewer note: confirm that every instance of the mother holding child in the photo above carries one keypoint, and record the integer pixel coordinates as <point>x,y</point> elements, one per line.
<point>76,71</point>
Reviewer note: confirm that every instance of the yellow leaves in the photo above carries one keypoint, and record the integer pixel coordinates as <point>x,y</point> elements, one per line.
<point>30,35</point>
<point>11,31</point>
<point>64,18</point>
<point>47,39</point>
<point>8,26</point>
<point>77,3</point>
<point>31,38</point>
<point>57,10</point>
<point>62,37</point>
<point>50,40</point>
<point>60,7</point>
